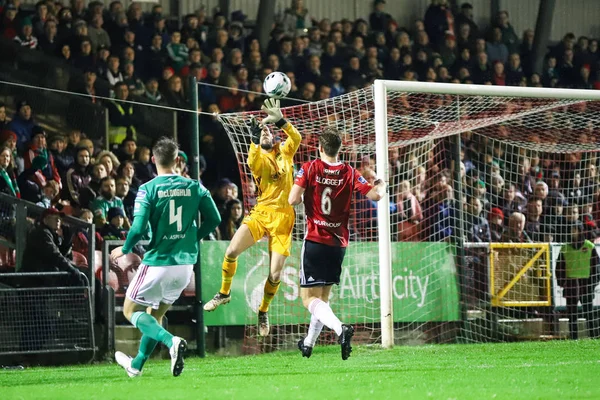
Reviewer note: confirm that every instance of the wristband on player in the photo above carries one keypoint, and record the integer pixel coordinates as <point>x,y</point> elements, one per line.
<point>281,123</point>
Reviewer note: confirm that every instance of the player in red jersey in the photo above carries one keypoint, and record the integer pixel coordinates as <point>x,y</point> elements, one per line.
<point>327,186</point>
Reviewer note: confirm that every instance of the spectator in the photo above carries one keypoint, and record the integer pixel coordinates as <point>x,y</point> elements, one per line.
<point>49,194</point>
<point>26,38</point>
<point>10,23</point>
<point>8,183</point>
<point>121,115</point>
<point>62,158</point>
<point>234,213</point>
<point>496,49</point>
<point>577,274</point>
<point>113,230</point>
<point>47,251</point>
<point>498,77</point>
<point>98,36</point>
<point>409,213</point>
<point>465,17</point>
<point>39,147</point>
<point>379,20</point>
<point>296,18</point>
<point>438,21</point>
<point>496,219</point>
<point>127,194</point>
<point>526,51</point>
<point>22,123</point>
<point>113,73</point>
<point>144,169</point>
<point>151,93</point>
<point>507,33</point>
<point>482,71</point>
<point>177,52</point>
<point>514,71</point>
<point>9,139</point>
<point>477,227</point>
<point>515,232</point>
<point>156,57</point>
<point>3,119</point>
<point>77,177</point>
<point>533,226</point>
<point>106,200</point>
<point>131,79</point>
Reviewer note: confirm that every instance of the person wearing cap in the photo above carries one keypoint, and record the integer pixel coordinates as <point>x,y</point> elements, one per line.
<point>496,220</point>
<point>577,274</point>
<point>22,123</point>
<point>26,38</point>
<point>9,139</point>
<point>10,22</point>
<point>113,230</point>
<point>39,147</point>
<point>46,251</point>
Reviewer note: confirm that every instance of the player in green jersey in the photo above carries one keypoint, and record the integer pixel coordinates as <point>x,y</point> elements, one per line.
<point>169,204</point>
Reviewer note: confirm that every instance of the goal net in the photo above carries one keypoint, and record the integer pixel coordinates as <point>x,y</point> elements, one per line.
<point>485,186</point>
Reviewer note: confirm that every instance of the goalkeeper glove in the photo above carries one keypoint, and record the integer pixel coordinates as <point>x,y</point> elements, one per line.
<point>275,116</point>
<point>255,130</point>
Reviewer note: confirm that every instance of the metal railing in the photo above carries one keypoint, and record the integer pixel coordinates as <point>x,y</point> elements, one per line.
<point>40,319</point>
<point>16,219</point>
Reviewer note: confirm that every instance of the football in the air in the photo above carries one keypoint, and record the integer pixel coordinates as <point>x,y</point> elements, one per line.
<point>277,85</point>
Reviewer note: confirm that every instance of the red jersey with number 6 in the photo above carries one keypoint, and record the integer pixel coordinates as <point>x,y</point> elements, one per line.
<point>327,198</point>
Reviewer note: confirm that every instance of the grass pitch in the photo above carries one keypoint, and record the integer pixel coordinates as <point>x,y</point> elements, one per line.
<point>532,370</point>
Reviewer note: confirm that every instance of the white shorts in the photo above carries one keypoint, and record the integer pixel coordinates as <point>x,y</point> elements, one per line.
<point>154,285</point>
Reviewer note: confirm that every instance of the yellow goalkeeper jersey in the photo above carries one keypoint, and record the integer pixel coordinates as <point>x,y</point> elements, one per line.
<point>274,171</point>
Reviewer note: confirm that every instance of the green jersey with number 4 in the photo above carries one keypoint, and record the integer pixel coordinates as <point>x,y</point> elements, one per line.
<point>170,205</point>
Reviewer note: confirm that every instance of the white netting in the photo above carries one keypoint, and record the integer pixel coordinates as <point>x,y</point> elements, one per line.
<point>513,149</point>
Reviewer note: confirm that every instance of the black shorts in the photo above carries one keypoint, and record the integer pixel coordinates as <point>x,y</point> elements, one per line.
<point>320,264</point>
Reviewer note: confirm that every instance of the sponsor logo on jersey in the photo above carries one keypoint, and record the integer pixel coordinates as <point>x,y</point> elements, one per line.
<point>140,194</point>
<point>362,180</point>
<point>327,224</point>
<point>332,171</point>
<point>329,181</point>
<point>300,173</point>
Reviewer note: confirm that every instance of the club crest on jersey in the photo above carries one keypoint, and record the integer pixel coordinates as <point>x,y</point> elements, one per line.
<point>362,180</point>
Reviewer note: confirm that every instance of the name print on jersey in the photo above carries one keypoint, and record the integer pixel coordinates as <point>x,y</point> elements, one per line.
<point>174,193</point>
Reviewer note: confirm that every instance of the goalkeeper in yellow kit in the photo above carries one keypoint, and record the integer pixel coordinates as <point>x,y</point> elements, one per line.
<point>271,165</point>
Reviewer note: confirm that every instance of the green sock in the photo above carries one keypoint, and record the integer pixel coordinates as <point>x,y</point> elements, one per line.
<point>150,327</point>
<point>147,346</point>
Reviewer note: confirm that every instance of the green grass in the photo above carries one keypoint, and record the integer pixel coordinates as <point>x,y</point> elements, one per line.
<point>533,370</point>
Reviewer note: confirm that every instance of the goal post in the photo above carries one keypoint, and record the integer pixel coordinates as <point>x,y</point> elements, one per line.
<point>383,217</point>
<point>417,267</point>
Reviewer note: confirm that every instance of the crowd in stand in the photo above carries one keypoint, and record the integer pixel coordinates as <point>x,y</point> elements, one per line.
<point>510,200</point>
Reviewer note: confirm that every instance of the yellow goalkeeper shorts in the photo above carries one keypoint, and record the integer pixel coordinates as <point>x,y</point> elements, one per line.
<point>277,225</point>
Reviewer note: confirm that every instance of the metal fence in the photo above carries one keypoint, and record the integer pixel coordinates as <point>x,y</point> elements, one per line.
<point>44,319</point>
